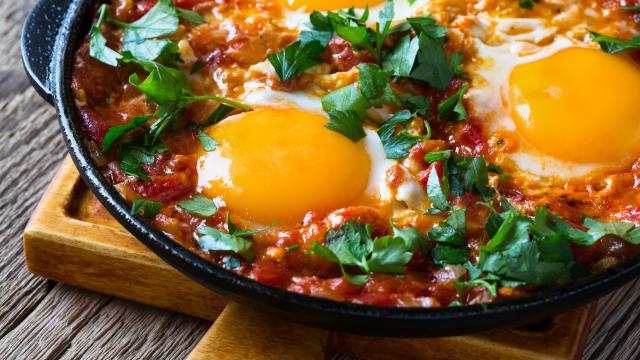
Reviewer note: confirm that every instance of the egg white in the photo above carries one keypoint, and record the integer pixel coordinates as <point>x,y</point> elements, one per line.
<point>298,19</point>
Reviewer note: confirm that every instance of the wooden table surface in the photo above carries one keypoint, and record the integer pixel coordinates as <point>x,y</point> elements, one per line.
<point>41,319</point>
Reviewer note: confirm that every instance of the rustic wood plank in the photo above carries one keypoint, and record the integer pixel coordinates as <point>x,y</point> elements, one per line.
<point>140,332</point>
<point>616,327</point>
<point>39,319</point>
<point>48,330</point>
<point>245,333</point>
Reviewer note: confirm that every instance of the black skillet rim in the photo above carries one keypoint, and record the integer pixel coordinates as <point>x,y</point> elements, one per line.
<point>318,312</point>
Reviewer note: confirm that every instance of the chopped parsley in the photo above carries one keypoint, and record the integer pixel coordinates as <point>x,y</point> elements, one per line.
<point>98,48</point>
<point>528,4</point>
<point>147,208</point>
<point>236,240</point>
<point>396,143</point>
<point>630,8</point>
<point>347,123</point>
<point>375,85</point>
<point>117,131</point>
<point>292,248</point>
<point>437,190</point>
<point>433,66</point>
<point>452,109</point>
<point>199,205</point>
<point>347,98</point>
<point>613,45</point>
<point>295,59</point>
<point>351,245</point>
<point>207,142</point>
<point>450,248</point>
<point>517,252</point>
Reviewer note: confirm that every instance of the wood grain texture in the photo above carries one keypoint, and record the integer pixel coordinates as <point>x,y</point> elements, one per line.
<point>99,327</point>
<point>102,256</point>
<point>244,333</point>
<point>40,319</point>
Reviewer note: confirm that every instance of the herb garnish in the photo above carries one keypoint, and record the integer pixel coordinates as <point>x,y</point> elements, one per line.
<point>613,45</point>
<point>451,249</point>
<point>296,58</point>
<point>351,245</point>
<point>199,205</point>
<point>236,240</point>
<point>147,208</point>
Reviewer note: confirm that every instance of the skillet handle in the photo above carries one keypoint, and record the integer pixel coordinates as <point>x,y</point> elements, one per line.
<point>37,41</point>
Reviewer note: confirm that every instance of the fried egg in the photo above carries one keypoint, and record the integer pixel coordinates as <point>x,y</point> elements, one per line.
<point>275,164</point>
<point>550,98</point>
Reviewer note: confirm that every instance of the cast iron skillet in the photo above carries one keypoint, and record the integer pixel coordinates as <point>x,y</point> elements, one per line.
<point>50,36</point>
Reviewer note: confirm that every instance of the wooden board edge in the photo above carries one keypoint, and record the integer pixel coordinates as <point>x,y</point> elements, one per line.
<point>241,333</point>
<point>92,263</point>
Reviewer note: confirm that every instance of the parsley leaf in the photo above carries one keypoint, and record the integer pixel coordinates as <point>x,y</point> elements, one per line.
<point>489,282</point>
<point>347,123</point>
<point>389,255</point>
<point>131,166</point>
<point>230,262</point>
<point>517,251</point>
<point>296,58</point>
<point>221,112</point>
<point>429,26</point>
<point>433,65</point>
<point>420,105</point>
<point>238,241</point>
<point>98,43</point>
<point>630,8</point>
<point>347,98</point>
<point>528,4</point>
<point>627,231</point>
<point>147,208</point>
<point>436,191</point>
<point>394,145</point>
<point>116,132</point>
<point>452,109</point>
<point>382,28</point>
<point>375,85</point>
<point>470,174</point>
<point>547,224</point>
<point>141,150</point>
<point>452,230</point>
<point>412,238</point>
<point>451,248</point>
<point>444,255</point>
<point>207,142</point>
<point>403,57</point>
<point>613,45</point>
<point>199,205</point>
<point>436,156</point>
<point>163,84</point>
<point>351,245</point>
<point>190,16</point>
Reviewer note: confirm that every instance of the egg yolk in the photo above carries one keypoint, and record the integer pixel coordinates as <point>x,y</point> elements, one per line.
<point>272,166</point>
<point>579,105</point>
<point>327,5</point>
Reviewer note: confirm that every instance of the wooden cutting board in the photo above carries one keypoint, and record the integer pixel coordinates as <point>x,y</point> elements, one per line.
<point>71,238</point>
